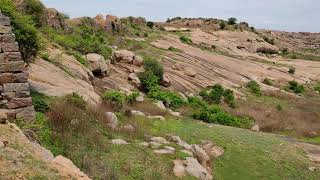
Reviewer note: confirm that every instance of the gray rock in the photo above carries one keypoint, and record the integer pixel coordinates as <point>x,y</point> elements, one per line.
<point>197,170</point>
<point>179,169</point>
<point>137,113</point>
<point>112,120</point>
<point>119,142</point>
<point>97,64</point>
<point>255,128</point>
<point>159,140</point>
<point>160,105</point>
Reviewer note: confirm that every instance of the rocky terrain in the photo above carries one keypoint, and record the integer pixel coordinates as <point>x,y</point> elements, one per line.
<point>125,98</point>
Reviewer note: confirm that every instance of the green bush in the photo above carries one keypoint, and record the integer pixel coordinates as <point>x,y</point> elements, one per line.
<point>24,30</point>
<point>132,98</point>
<point>185,39</point>
<point>170,99</point>
<point>215,114</point>
<point>222,25</point>
<point>36,10</point>
<point>268,40</point>
<point>146,35</point>
<point>216,93</point>
<point>150,24</point>
<point>114,98</point>
<point>292,70</point>
<point>267,81</point>
<point>232,21</point>
<point>295,87</point>
<point>154,66</point>
<point>196,102</point>
<point>39,102</point>
<point>76,100</point>
<point>254,87</point>
<point>229,98</point>
<point>317,87</point>
<point>41,128</point>
<point>149,81</point>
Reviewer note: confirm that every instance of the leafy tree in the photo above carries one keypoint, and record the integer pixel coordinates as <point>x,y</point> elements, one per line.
<point>232,21</point>
<point>150,24</point>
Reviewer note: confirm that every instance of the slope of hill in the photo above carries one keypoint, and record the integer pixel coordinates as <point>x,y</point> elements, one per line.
<point>124,98</point>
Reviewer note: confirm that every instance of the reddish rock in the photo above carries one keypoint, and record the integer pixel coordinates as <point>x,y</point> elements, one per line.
<point>19,103</point>
<point>9,47</point>
<point>12,67</point>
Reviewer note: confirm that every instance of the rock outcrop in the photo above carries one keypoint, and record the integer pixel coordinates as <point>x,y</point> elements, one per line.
<point>15,100</point>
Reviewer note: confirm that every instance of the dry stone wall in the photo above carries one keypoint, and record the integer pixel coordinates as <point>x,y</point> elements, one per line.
<point>15,99</point>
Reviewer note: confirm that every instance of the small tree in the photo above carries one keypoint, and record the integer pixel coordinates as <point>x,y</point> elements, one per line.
<point>292,70</point>
<point>216,93</point>
<point>232,21</point>
<point>154,66</point>
<point>222,25</point>
<point>150,24</point>
<point>229,98</point>
<point>254,87</point>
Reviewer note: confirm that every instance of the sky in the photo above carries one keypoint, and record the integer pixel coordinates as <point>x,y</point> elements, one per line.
<point>287,15</point>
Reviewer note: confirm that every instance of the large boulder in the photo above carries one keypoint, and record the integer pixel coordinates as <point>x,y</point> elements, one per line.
<point>197,170</point>
<point>112,120</point>
<point>202,156</point>
<point>138,61</point>
<point>98,65</point>
<point>211,149</point>
<point>125,56</point>
<point>55,19</point>
<point>133,77</point>
<point>190,72</point>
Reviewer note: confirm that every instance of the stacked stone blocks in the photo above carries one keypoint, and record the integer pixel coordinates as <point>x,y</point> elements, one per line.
<point>15,100</point>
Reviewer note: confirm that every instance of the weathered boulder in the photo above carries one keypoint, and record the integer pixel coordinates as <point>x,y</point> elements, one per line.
<point>55,19</point>
<point>138,61</point>
<point>112,120</point>
<point>211,149</point>
<point>3,117</point>
<point>197,170</point>
<point>133,77</point>
<point>190,72</point>
<point>128,128</point>
<point>202,156</point>
<point>137,113</point>
<point>179,169</point>
<point>98,65</point>
<point>163,151</point>
<point>125,56</point>
<point>165,81</point>
<point>160,105</point>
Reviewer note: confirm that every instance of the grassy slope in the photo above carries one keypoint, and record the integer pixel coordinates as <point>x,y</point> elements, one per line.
<point>248,155</point>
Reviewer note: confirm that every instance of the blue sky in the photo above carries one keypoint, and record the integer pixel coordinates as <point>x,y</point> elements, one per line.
<point>289,15</point>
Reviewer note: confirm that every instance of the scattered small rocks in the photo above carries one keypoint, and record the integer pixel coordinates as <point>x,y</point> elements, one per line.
<point>137,113</point>
<point>119,142</point>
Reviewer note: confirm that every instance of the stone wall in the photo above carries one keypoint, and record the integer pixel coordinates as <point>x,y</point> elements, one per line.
<point>15,100</point>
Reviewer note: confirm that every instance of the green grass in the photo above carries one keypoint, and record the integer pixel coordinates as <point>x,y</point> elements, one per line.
<point>315,140</point>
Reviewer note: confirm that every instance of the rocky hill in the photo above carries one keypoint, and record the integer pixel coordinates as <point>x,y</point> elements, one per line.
<point>125,98</point>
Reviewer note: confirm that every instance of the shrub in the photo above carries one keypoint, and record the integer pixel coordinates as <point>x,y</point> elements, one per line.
<point>76,100</point>
<point>170,99</point>
<point>232,21</point>
<point>295,87</point>
<point>292,70</point>
<point>216,115</point>
<point>267,81</point>
<point>24,30</point>
<point>36,10</point>
<point>279,107</point>
<point>229,98</point>
<point>317,87</point>
<point>154,66</point>
<point>39,101</point>
<point>115,98</point>
<point>265,50</point>
<point>268,40</point>
<point>216,93</point>
<point>132,97</point>
<point>185,39</point>
<point>173,49</point>
<point>41,128</point>
<point>254,87</point>
<point>222,25</point>
<point>196,102</point>
<point>137,34</point>
<point>146,35</point>
<point>150,24</point>
<point>149,81</point>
